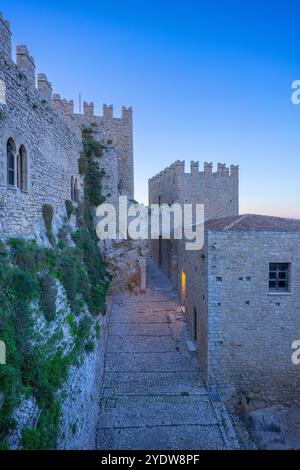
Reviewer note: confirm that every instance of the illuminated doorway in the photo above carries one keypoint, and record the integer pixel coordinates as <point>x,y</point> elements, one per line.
<point>183,288</point>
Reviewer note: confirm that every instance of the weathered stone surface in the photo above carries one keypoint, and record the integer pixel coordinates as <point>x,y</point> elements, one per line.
<point>50,132</point>
<point>124,260</point>
<point>277,427</point>
<point>152,395</point>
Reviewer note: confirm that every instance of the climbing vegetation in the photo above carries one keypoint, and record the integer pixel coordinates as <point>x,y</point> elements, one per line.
<point>29,279</point>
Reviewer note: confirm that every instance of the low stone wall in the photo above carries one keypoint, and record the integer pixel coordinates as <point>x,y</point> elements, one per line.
<point>80,409</point>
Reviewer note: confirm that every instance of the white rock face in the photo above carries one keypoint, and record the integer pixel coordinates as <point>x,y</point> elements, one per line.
<point>26,415</point>
<point>123,258</point>
<point>81,406</point>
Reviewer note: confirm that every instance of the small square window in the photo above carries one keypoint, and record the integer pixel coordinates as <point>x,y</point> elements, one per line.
<point>279,277</point>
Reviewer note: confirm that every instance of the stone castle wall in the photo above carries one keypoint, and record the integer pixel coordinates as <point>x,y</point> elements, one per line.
<point>47,129</point>
<point>251,329</point>
<point>115,132</point>
<point>52,149</point>
<point>218,191</point>
<point>245,332</point>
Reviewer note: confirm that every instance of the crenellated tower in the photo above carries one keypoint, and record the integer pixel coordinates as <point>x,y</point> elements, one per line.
<point>218,191</point>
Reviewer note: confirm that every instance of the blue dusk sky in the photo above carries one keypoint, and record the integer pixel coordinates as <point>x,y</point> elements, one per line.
<point>207,81</point>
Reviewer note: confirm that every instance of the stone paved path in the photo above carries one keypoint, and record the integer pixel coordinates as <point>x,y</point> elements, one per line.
<point>153,396</point>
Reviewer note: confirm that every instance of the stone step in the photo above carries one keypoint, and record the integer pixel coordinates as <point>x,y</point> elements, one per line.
<point>156,411</point>
<point>191,437</point>
<point>148,329</point>
<point>141,362</point>
<point>145,344</point>
<point>154,382</point>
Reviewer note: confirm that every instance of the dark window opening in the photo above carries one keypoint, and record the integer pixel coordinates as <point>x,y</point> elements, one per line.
<point>22,169</point>
<point>195,324</point>
<point>279,277</point>
<point>11,150</point>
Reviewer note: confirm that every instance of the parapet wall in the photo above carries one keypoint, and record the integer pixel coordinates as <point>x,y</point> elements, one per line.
<point>116,132</point>
<point>5,38</point>
<point>45,125</point>
<point>30,120</point>
<point>218,190</point>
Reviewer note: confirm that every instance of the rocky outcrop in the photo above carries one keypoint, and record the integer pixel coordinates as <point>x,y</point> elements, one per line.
<point>126,262</point>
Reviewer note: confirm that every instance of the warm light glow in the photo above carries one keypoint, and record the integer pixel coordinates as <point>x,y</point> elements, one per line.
<point>183,287</point>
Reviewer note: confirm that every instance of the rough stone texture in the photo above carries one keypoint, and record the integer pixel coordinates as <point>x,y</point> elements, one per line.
<point>50,132</point>
<point>153,396</point>
<point>125,262</point>
<point>276,428</point>
<point>26,415</point>
<point>118,133</point>
<point>81,406</point>
<point>244,331</point>
<point>218,191</point>
<point>5,38</point>
<point>80,397</point>
<point>52,153</point>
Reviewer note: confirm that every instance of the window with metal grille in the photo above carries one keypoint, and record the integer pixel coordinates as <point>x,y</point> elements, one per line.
<point>279,277</point>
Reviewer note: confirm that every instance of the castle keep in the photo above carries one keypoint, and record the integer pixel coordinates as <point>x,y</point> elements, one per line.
<point>40,144</point>
<point>216,190</point>
<point>240,292</point>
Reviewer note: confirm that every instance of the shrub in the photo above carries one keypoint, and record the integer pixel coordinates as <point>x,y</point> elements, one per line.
<point>68,273</point>
<point>69,208</point>
<point>98,330</point>
<point>82,164</point>
<point>25,254</point>
<point>48,216</point>
<point>23,325</point>
<point>51,238</point>
<point>84,328</point>
<point>32,439</point>
<point>23,286</point>
<point>89,347</point>
<point>74,429</point>
<point>48,296</point>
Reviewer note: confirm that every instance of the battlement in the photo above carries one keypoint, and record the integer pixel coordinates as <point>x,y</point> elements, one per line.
<point>88,109</point>
<point>5,38</point>
<point>58,105</point>
<point>108,111</point>
<point>68,107</point>
<point>35,92</point>
<point>25,64</point>
<point>178,168</point>
<point>45,88</point>
<point>217,190</point>
<point>89,112</point>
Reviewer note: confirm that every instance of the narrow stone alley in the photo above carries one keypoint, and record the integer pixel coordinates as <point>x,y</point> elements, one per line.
<point>153,396</point>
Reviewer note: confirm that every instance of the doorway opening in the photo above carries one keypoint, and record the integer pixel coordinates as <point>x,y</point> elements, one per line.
<point>183,288</point>
<point>195,324</point>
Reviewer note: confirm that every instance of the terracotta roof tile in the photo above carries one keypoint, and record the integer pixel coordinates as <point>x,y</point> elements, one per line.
<point>253,223</point>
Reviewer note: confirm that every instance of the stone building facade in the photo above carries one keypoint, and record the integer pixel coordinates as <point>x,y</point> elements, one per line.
<point>242,320</point>
<point>40,144</point>
<point>218,191</point>
<point>240,291</point>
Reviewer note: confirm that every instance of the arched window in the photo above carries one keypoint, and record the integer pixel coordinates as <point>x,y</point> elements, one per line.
<point>195,325</point>
<point>22,169</point>
<point>72,188</point>
<point>76,195</point>
<point>11,152</point>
